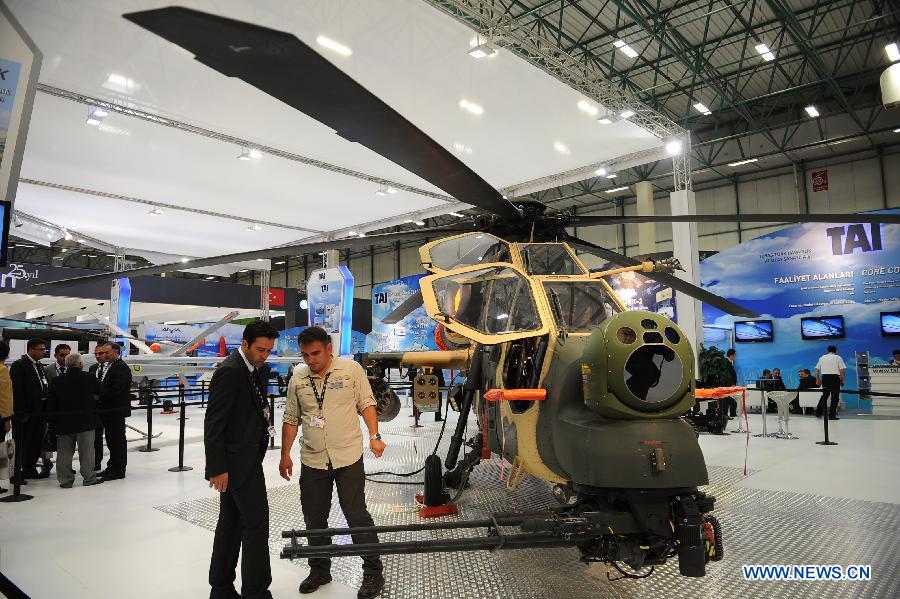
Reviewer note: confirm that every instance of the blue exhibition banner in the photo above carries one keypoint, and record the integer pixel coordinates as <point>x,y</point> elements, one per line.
<point>330,295</point>
<point>413,333</point>
<point>827,283</point>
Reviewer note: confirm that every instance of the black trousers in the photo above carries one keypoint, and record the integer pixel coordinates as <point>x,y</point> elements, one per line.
<point>732,405</point>
<point>315,499</point>
<point>114,428</point>
<point>98,447</point>
<point>243,524</point>
<point>831,385</point>
<point>29,436</point>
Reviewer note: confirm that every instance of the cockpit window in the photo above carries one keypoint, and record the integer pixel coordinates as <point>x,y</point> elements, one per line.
<point>579,306</point>
<point>468,250</point>
<point>548,259</point>
<point>493,300</point>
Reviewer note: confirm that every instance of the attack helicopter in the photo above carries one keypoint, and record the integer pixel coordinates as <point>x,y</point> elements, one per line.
<point>565,383</point>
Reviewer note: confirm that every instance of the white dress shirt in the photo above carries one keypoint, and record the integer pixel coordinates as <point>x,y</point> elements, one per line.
<point>830,364</point>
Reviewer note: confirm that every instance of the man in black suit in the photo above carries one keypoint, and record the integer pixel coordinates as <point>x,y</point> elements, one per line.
<point>115,392</point>
<point>29,396</point>
<point>730,381</point>
<point>96,371</point>
<point>235,436</point>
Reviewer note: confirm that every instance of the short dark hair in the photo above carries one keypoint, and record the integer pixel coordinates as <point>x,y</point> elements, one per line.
<point>32,343</point>
<point>313,334</point>
<point>832,349</point>
<point>59,347</point>
<point>730,353</point>
<point>4,350</point>
<point>806,370</point>
<point>766,371</point>
<point>115,347</point>
<point>257,329</point>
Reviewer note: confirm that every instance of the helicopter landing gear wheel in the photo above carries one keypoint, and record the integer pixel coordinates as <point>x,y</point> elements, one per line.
<point>712,534</point>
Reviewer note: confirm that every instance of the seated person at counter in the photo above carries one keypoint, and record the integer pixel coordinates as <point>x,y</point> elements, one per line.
<point>806,381</point>
<point>778,385</point>
<point>896,360</point>
<point>766,383</point>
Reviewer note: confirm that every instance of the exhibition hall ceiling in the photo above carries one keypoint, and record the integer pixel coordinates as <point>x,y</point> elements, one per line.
<point>412,56</point>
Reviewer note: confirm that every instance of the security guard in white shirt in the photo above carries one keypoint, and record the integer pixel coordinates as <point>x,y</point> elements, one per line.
<point>830,371</point>
<point>326,397</point>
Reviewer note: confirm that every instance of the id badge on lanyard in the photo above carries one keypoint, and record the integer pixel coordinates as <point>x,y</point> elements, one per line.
<point>318,420</point>
<point>262,406</point>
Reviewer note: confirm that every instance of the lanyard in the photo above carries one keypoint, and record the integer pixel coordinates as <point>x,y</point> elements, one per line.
<point>320,399</point>
<point>41,378</point>
<point>262,406</point>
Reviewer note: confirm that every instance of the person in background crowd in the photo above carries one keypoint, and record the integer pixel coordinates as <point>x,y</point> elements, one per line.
<point>96,370</point>
<point>731,381</point>
<point>6,395</point>
<point>115,392</point>
<point>806,381</point>
<point>830,371</point>
<point>766,383</point>
<point>896,360</point>
<point>778,384</point>
<point>29,397</point>
<point>74,391</point>
<point>235,436</point>
<point>326,398</point>
<point>51,371</point>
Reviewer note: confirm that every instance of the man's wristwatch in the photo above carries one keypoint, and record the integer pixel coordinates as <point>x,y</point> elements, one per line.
<point>375,437</point>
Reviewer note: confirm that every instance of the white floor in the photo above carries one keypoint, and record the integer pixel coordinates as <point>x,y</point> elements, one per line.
<point>109,541</point>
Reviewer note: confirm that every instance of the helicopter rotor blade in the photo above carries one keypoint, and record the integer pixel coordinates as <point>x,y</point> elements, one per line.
<point>672,281</point>
<point>593,221</point>
<point>280,65</point>
<point>275,252</point>
<point>407,307</point>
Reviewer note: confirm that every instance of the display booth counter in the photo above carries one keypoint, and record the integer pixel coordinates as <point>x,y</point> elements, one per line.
<point>885,379</point>
<point>808,398</point>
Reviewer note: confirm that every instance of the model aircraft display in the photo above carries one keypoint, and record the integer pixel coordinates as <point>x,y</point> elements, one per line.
<point>564,383</point>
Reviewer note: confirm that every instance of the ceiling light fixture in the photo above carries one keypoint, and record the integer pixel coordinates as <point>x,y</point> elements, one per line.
<point>600,172</point>
<point>585,106</point>
<point>255,154</point>
<point>210,278</point>
<point>243,270</point>
<point>604,120</point>
<point>896,130</point>
<point>253,227</point>
<point>765,52</point>
<point>279,263</point>
<point>471,106</point>
<point>421,223</point>
<point>674,147</point>
<point>561,147</point>
<point>702,109</point>
<point>392,190</point>
<point>625,49</point>
<point>611,176</point>
<point>482,50</point>
<point>812,111</point>
<point>627,113</point>
<point>893,51</point>
<point>743,162</point>
<point>617,189</point>
<point>95,116</point>
<point>333,45</point>
<point>183,260</point>
<point>457,214</point>
<point>245,154</point>
<point>155,211</point>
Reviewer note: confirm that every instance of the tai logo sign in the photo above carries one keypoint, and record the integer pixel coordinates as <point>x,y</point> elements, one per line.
<point>380,297</point>
<point>846,239</point>
<point>14,274</point>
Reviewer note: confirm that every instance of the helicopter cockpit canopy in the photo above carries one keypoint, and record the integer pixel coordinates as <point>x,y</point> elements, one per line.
<point>550,259</point>
<point>579,306</point>
<point>465,250</point>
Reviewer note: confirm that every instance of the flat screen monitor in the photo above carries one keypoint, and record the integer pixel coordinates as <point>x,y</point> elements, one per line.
<point>753,331</point>
<point>822,327</point>
<point>5,215</point>
<point>890,324</point>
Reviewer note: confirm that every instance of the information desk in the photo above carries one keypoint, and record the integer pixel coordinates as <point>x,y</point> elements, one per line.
<point>885,379</point>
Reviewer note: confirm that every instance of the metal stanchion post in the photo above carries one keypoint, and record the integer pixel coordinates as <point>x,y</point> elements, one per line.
<point>149,446</point>
<point>17,495</point>
<point>825,412</point>
<point>272,420</point>
<point>181,467</point>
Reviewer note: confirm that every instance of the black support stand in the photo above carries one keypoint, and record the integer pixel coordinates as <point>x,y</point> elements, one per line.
<point>181,467</point>
<point>149,446</point>
<point>825,418</point>
<point>17,495</point>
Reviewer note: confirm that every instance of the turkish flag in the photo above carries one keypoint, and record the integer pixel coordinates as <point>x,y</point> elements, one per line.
<point>276,297</point>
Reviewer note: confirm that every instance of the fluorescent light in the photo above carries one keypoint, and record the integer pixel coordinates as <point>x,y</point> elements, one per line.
<point>625,49</point>
<point>64,250</point>
<point>333,45</point>
<point>67,235</point>
<point>471,106</point>
<point>617,189</point>
<point>585,106</point>
<point>361,234</point>
<point>260,259</point>
<point>702,109</point>
<point>155,211</point>
<point>91,255</point>
<point>421,223</point>
<point>765,52</point>
<point>502,316</point>
<point>482,50</point>
<point>210,278</point>
<point>457,214</point>
<point>674,147</point>
<point>392,190</point>
<point>627,113</point>
<point>896,130</point>
<point>611,176</point>
<point>253,227</point>
<point>254,153</point>
<point>99,113</point>
<point>183,260</point>
<point>279,263</point>
<point>604,120</point>
<point>243,270</point>
<point>893,51</point>
<point>245,154</point>
<point>81,241</point>
<point>561,147</point>
<point>351,233</point>
<point>600,171</point>
<point>812,111</point>
<point>92,121</point>
<point>743,162</point>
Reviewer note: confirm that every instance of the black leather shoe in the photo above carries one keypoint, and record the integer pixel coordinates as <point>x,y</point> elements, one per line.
<point>30,474</point>
<point>833,418</point>
<point>112,476</point>
<point>313,582</point>
<point>372,585</point>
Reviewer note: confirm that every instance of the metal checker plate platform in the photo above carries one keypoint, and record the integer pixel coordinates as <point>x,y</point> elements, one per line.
<point>759,527</point>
